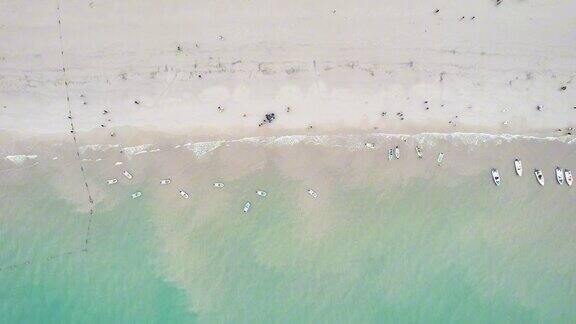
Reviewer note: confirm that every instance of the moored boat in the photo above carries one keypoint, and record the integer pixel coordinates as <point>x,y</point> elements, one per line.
<point>137,194</point>
<point>127,174</point>
<point>246,207</point>
<point>539,176</point>
<point>518,167</point>
<point>568,176</point>
<point>440,158</point>
<point>312,193</point>
<point>559,176</point>
<point>496,177</point>
<point>184,194</point>
<point>419,151</point>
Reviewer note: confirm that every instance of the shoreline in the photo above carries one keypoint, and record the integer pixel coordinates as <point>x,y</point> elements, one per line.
<point>167,142</point>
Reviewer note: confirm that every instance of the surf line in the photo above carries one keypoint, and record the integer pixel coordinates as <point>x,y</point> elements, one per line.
<point>72,128</point>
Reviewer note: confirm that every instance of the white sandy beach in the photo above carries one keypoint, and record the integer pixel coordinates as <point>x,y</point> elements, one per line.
<point>338,66</point>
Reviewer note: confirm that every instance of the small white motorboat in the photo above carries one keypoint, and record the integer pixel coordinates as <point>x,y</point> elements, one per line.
<point>390,154</point>
<point>247,207</point>
<point>397,152</point>
<point>568,176</point>
<point>559,176</point>
<point>312,193</point>
<point>496,177</point>
<point>261,193</point>
<point>419,151</point>
<point>127,174</point>
<point>137,194</point>
<point>112,181</point>
<point>218,185</point>
<point>184,194</point>
<point>518,166</point>
<point>165,181</point>
<point>370,145</point>
<point>539,176</point>
<point>440,158</point>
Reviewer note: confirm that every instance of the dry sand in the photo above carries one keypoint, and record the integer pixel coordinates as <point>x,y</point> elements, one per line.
<point>338,66</point>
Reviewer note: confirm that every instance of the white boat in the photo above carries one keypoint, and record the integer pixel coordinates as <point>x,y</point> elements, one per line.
<point>559,176</point>
<point>419,151</point>
<point>112,181</point>
<point>312,193</point>
<point>261,193</point>
<point>440,158</point>
<point>370,145</point>
<point>496,177</point>
<point>518,166</point>
<point>137,194</point>
<point>165,181</point>
<point>127,174</point>
<point>397,152</point>
<point>568,176</point>
<point>184,194</point>
<point>539,176</point>
<point>218,185</point>
<point>247,207</point>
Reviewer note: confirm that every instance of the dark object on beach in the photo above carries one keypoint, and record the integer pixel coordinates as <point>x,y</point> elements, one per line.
<point>220,109</point>
<point>179,48</point>
<point>137,102</point>
<point>473,17</point>
<point>498,2</point>
<point>562,88</point>
<point>104,112</point>
<point>270,117</point>
<point>384,113</point>
<point>287,109</point>
<point>243,115</point>
<point>102,125</point>
<point>310,127</point>
<point>437,11</point>
<point>462,18</point>
<point>539,107</point>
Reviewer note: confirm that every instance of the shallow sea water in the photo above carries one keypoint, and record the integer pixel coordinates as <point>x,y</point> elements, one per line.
<point>408,249</point>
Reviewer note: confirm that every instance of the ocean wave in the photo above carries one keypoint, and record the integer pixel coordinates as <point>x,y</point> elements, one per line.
<point>19,159</point>
<point>96,147</point>
<point>130,151</point>
<point>358,141</point>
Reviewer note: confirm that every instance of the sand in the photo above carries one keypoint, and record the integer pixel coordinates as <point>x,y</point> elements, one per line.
<point>337,66</point>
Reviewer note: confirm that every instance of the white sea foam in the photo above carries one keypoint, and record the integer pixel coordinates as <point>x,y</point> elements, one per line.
<point>358,141</point>
<point>96,147</point>
<point>202,148</point>
<point>135,150</point>
<point>19,159</point>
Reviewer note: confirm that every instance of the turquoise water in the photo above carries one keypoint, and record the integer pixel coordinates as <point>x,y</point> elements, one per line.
<point>422,251</point>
